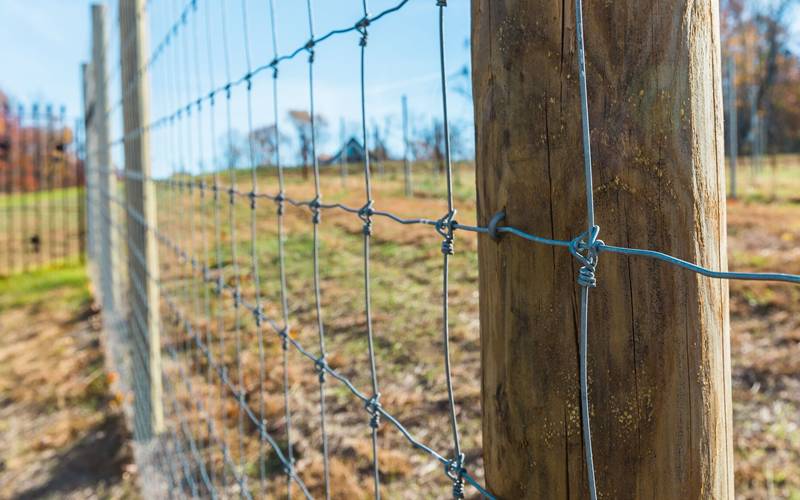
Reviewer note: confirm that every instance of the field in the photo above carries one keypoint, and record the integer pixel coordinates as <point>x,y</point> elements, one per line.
<point>406,280</point>
<point>62,434</point>
<point>40,228</point>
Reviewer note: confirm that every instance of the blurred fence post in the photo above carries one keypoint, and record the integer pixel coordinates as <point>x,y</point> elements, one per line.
<point>88,166</point>
<point>406,159</point>
<point>733,122</point>
<point>107,243</point>
<point>80,176</point>
<point>343,153</point>
<point>141,219</point>
<point>659,392</point>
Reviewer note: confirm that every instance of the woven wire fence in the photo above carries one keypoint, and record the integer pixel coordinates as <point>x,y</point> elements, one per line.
<point>42,199</point>
<point>255,402</point>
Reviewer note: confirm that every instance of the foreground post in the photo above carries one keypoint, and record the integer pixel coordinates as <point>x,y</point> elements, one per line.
<point>140,196</point>
<point>659,372</point>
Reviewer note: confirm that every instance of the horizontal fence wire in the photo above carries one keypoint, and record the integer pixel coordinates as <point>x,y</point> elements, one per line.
<point>213,311</point>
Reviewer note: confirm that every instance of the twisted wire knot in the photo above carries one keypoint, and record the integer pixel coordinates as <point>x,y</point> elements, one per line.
<point>237,298</point>
<point>231,195</point>
<point>446,227</point>
<point>364,213</point>
<point>315,206</point>
<point>257,315</point>
<point>455,471</point>
<point>252,196</point>
<point>585,248</point>
<point>320,364</point>
<point>279,199</point>
<point>361,27</point>
<point>309,46</point>
<point>373,407</point>
<point>284,335</point>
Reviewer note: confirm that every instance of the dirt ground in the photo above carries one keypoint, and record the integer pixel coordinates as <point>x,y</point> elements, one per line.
<point>61,434</point>
<point>764,228</point>
<point>55,412</point>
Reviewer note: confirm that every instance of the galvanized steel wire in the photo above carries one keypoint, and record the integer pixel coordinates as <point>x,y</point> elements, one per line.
<point>196,473</point>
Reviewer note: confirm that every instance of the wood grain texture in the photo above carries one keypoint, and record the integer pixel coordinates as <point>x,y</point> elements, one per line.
<point>659,369</point>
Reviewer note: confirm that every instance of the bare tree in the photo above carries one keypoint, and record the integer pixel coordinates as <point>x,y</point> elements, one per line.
<point>234,147</point>
<point>302,123</point>
<point>758,34</point>
<point>428,144</point>
<point>266,141</point>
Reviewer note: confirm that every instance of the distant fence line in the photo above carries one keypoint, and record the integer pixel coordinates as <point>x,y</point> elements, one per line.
<point>42,182</point>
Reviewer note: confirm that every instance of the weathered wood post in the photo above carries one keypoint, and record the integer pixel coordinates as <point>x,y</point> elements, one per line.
<point>659,371</point>
<point>107,237</point>
<point>141,199</point>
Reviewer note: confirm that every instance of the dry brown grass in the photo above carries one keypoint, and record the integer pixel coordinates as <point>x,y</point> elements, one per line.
<point>60,434</point>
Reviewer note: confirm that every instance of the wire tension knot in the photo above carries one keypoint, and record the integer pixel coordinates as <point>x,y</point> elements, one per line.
<point>364,213</point>
<point>446,227</point>
<point>454,469</point>
<point>585,248</point>
<point>279,199</point>
<point>361,27</point>
<point>321,366</point>
<point>373,407</point>
<point>315,206</point>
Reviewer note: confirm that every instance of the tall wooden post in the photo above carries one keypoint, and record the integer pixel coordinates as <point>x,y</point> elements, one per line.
<point>659,370</point>
<point>107,237</point>
<point>141,198</point>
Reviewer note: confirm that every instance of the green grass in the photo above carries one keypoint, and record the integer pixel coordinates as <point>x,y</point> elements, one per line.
<point>37,287</point>
<point>36,197</point>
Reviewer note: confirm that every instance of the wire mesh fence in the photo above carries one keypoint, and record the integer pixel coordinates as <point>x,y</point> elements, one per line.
<point>277,343</point>
<point>42,189</point>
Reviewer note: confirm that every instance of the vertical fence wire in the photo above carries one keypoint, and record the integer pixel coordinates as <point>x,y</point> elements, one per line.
<point>208,294</point>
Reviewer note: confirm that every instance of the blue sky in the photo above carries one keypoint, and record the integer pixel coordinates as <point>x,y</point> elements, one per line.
<point>45,42</point>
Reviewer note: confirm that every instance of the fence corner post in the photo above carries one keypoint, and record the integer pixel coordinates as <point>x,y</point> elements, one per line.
<point>141,218</point>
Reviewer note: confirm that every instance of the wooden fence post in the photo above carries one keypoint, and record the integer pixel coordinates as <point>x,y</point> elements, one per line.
<point>659,369</point>
<point>141,199</point>
<point>107,238</point>
<point>88,166</point>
